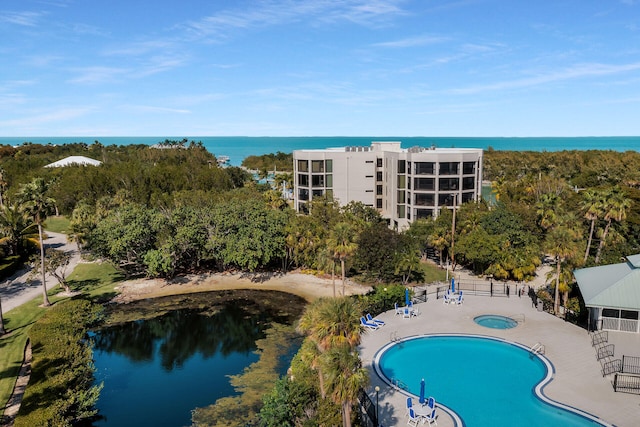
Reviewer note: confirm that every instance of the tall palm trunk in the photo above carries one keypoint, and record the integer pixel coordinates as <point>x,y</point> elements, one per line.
<point>342,267</point>
<point>346,414</point>
<point>586,253</point>
<point>604,238</point>
<point>45,298</point>
<point>333,277</point>
<point>556,300</point>
<point>2,330</point>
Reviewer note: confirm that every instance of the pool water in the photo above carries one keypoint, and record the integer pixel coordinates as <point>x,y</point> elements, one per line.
<point>495,321</point>
<point>487,382</point>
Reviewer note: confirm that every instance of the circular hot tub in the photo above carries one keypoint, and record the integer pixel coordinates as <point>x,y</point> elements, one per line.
<point>495,321</point>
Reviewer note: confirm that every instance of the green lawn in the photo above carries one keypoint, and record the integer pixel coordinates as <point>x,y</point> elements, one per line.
<point>58,224</point>
<point>433,273</point>
<point>97,281</point>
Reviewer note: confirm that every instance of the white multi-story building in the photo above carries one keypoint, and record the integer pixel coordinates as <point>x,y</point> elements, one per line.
<point>402,184</point>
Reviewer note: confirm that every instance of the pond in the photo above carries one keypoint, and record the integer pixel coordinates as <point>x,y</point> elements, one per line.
<point>156,370</point>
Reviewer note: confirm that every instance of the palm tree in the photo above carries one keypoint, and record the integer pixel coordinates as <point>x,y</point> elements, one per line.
<point>345,378</point>
<point>616,205</point>
<point>35,201</point>
<point>546,208</point>
<point>592,204</point>
<point>342,243</point>
<point>331,323</point>
<point>16,227</point>
<point>562,243</point>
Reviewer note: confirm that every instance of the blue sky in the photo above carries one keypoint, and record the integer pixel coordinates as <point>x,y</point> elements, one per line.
<point>320,68</point>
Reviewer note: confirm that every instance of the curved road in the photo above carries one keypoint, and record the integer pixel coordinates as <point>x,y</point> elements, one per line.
<point>19,288</point>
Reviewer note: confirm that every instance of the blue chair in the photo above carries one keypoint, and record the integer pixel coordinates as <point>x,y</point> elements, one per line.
<point>459,300</point>
<point>371,319</point>
<point>398,309</point>
<point>409,404</point>
<point>368,325</point>
<point>430,417</point>
<point>414,418</point>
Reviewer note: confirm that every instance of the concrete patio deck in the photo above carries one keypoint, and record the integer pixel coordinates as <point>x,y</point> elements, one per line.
<point>578,381</point>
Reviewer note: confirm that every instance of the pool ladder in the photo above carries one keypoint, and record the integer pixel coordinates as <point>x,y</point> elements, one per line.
<point>537,348</point>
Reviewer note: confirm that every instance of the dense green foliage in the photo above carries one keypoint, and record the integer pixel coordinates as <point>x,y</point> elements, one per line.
<point>61,389</point>
<point>150,176</point>
<point>279,161</point>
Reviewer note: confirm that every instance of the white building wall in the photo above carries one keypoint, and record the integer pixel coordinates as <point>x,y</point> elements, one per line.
<point>356,172</point>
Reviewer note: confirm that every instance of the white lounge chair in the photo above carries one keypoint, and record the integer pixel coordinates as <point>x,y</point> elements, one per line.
<point>372,319</point>
<point>414,418</point>
<point>368,325</point>
<point>398,309</point>
<point>446,299</point>
<point>460,299</point>
<point>430,417</point>
<point>406,312</point>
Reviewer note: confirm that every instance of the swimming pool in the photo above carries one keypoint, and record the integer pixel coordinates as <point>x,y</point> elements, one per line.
<point>495,321</point>
<point>485,381</point>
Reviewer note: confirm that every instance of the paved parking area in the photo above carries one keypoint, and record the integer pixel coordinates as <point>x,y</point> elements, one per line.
<point>578,381</point>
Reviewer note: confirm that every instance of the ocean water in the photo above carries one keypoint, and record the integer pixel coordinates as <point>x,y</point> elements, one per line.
<point>239,147</point>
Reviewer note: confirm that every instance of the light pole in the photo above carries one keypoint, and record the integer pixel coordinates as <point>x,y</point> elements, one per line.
<point>377,406</point>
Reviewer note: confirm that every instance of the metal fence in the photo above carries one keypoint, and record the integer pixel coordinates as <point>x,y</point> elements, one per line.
<point>631,365</point>
<point>599,337</point>
<point>611,366</point>
<point>605,351</point>
<point>368,410</point>
<point>626,383</point>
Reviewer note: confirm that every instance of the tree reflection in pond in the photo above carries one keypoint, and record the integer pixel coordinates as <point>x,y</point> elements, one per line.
<point>189,351</point>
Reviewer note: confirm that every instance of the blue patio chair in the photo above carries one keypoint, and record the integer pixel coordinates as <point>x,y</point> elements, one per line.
<point>371,319</point>
<point>368,325</point>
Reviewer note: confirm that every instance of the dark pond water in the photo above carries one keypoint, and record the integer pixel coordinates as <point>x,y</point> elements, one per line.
<point>156,371</point>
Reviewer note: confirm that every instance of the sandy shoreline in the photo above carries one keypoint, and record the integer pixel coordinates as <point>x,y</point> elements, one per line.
<point>306,286</point>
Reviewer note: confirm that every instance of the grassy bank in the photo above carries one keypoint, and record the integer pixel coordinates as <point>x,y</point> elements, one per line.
<point>97,281</point>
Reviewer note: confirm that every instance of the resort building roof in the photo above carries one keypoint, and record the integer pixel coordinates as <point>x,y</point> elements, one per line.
<point>612,286</point>
<point>74,160</point>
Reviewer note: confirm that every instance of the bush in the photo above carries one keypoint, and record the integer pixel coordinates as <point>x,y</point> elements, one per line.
<point>382,298</point>
<point>61,389</point>
<point>9,265</point>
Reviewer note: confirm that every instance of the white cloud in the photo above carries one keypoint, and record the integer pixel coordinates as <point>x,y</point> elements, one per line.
<point>97,74</point>
<point>412,41</point>
<point>26,19</point>
<point>575,72</point>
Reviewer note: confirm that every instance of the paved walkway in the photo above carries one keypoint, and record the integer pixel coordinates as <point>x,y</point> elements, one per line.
<point>21,288</point>
<point>578,381</point>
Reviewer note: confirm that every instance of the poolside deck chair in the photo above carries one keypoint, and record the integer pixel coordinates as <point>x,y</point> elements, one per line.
<point>372,319</point>
<point>368,325</point>
<point>398,309</point>
<point>431,403</point>
<point>414,418</point>
<point>446,299</point>
<point>460,299</point>
<point>409,404</point>
<point>406,313</point>
<point>430,417</point>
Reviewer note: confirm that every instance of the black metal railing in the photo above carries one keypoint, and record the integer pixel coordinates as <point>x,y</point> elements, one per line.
<point>611,366</point>
<point>368,410</point>
<point>631,365</point>
<point>599,337</point>
<point>605,351</point>
<point>626,383</point>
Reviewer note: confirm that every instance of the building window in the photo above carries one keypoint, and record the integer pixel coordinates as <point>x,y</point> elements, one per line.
<point>468,168</point>
<point>447,184</point>
<point>303,194</point>
<point>401,198</point>
<point>329,194</point>
<point>445,199</point>
<point>317,166</point>
<point>329,180</point>
<point>449,168</point>
<point>469,183</point>
<point>379,176</point>
<point>369,161</point>
<point>424,213</point>
<point>468,197</point>
<point>401,210</point>
<point>303,180</point>
<point>303,165</point>
<point>303,208</point>
<point>402,181</point>
<point>409,167</point>
<point>422,199</point>
<point>424,184</point>
<point>329,165</point>
<point>316,193</point>
<point>317,180</point>
<point>402,165</point>
<point>424,168</point>
<point>379,162</point>
<point>368,176</point>
<point>379,190</point>
<point>379,203</point>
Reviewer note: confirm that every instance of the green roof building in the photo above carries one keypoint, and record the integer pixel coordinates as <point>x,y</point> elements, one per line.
<point>612,295</point>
